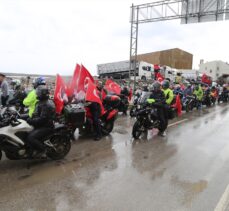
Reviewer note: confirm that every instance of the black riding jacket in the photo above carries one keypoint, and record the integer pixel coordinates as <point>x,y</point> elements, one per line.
<point>159,98</point>
<point>44,115</point>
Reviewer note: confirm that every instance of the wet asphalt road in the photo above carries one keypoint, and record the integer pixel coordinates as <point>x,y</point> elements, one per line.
<point>187,170</point>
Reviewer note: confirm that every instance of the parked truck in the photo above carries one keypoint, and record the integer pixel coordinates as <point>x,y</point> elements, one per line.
<point>120,70</point>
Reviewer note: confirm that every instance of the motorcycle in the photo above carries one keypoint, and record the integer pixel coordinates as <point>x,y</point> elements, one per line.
<point>124,104</point>
<point>207,99</point>
<point>223,96</point>
<point>189,102</point>
<point>147,119</point>
<point>79,116</point>
<point>13,138</point>
<point>139,101</point>
<point>134,107</point>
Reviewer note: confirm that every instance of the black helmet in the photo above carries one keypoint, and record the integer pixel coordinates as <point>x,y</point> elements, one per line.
<point>42,93</point>
<point>156,86</point>
<point>197,86</point>
<point>165,84</point>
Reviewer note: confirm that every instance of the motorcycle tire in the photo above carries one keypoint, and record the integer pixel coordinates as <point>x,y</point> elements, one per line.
<point>62,146</point>
<point>107,127</point>
<point>0,154</point>
<point>132,112</point>
<point>12,156</point>
<point>188,108</point>
<point>136,131</point>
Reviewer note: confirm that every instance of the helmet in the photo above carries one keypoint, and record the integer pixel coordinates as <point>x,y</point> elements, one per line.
<point>165,84</point>
<point>197,86</point>
<point>151,88</point>
<point>145,88</point>
<point>42,93</point>
<point>156,86</point>
<point>189,85</point>
<point>39,81</point>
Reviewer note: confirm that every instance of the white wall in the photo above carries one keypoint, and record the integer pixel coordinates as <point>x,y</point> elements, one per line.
<point>214,69</point>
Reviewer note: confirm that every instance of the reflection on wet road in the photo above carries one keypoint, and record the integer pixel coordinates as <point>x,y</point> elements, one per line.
<point>187,170</point>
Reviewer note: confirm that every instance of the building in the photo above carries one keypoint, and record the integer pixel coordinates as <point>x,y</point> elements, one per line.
<point>175,58</point>
<point>215,69</point>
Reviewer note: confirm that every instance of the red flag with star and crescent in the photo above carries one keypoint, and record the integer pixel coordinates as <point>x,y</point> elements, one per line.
<point>112,87</point>
<point>92,94</point>
<point>59,94</point>
<point>84,76</point>
<point>72,86</point>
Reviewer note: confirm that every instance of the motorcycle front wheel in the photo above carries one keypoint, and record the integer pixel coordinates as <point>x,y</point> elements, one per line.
<point>137,130</point>
<point>61,146</point>
<point>107,127</point>
<point>132,112</point>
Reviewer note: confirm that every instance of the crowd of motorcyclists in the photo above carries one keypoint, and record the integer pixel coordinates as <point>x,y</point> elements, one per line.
<point>162,96</point>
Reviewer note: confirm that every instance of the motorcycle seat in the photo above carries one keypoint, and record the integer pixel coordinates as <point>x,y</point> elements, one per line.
<point>59,126</point>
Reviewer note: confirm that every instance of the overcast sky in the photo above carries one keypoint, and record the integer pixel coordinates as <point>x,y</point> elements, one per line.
<point>51,36</point>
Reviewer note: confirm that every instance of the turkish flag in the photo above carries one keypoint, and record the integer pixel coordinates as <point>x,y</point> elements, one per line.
<point>112,87</point>
<point>72,86</point>
<point>83,78</point>
<point>178,105</point>
<point>92,94</point>
<point>60,94</point>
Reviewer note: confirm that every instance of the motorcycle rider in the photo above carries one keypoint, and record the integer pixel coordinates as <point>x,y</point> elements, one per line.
<point>157,97</point>
<point>41,120</point>
<point>4,88</point>
<point>198,92</point>
<point>169,96</point>
<point>102,91</point>
<point>31,99</point>
<point>188,90</point>
<point>214,94</point>
<point>96,113</point>
<point>18,96</point>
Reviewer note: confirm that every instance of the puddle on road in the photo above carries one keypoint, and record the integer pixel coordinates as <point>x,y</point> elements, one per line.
<point>120,130</point>
<point>190,190</point>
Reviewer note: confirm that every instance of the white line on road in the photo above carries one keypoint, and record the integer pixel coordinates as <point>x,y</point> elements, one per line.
<point>224,201</point>
<point>178,122</point>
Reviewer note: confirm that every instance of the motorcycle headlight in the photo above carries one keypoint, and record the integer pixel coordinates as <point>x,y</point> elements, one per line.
<point>138,106</point>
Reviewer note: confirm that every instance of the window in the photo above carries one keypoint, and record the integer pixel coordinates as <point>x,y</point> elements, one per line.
<point>206,68</point>
<point>210,71</point>
<point>146,68</point>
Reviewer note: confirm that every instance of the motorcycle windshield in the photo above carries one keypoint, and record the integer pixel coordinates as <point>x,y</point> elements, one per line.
<point>144,97</point>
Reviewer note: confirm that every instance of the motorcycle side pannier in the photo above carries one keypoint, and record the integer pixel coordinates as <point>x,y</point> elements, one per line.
<point>75,114</point>
<point>112,101</point>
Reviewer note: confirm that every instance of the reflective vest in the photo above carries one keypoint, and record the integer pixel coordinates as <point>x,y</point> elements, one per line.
<point>169,96</point>
<point>199,93</point>
<point>30,101</point>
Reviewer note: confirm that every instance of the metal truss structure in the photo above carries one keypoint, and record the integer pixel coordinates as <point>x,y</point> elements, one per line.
<point>188,11</point>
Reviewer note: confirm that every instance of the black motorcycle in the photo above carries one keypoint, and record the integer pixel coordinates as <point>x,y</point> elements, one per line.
<point>223,96</point>
<point>208,100</point>
<point>189,103</point>
<point>147,119</point>
<point>124,104</point>
<point>139,102</point>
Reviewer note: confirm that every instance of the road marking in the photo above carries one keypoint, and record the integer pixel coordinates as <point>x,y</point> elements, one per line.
<point>178,122</point>
<point>224,201</point>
